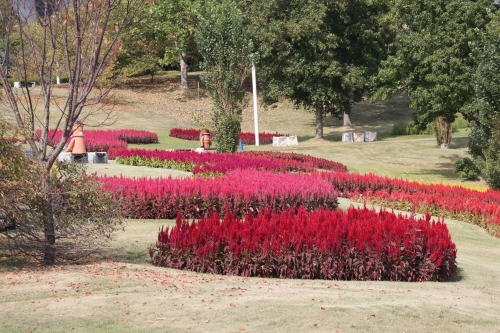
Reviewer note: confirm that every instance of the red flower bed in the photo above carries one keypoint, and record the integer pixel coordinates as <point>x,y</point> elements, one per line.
<point>218,164</point>
<point>356,245</point>
<point>192,134</point>
<point>103,140</point>
<point>247,138</point>
<point>136,136</point>
<point>480,208</point>
<point>242,191</point>
<point>294,158</point>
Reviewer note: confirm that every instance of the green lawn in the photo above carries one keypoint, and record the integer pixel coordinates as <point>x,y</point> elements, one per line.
<point>124,293</point>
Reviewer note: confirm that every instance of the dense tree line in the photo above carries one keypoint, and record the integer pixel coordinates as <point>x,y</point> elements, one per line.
<point>325,56</point>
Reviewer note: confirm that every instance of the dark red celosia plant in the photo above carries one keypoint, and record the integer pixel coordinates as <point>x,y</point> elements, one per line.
<point>103,140</point>
<point>191,134</point>
<point>242,191</point>
<point>359,244</point>
<point>247,138</point>
<point>480,208</point>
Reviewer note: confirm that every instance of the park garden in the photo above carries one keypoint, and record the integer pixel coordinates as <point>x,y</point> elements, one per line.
<point>400,234</point>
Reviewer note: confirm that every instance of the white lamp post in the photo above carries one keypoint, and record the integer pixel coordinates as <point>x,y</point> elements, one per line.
<point>255,113</point>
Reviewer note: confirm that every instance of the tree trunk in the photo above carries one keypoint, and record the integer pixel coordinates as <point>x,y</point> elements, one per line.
<point>49,249</point>
<point>443,132</point>
<point>319,122</point>
<point>184,75</point>
<point>347,118</point>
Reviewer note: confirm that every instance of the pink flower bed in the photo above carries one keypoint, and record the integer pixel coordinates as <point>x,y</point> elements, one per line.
<point>242,191</point>
<point>295,158</point>
<point>103,140</point>
<point>218,164</point>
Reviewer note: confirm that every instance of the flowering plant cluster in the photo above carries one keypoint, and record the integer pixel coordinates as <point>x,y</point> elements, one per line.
<point>480,208</point>
<point>242,191</point>
<point>136,136</point>
<point>220,164</point>
<point>103,140</point>
<point>359,244</point>
<point>247,138</point>
<point>295,158</point>
<point>191,134</point>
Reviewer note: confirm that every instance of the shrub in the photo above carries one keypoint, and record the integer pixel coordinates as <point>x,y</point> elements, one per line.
<point>460,123</point>
<point>398,129</point>
<point>466,169</point>
<point>489,160</point>
<point>409,128</point>
<point>359,244</point>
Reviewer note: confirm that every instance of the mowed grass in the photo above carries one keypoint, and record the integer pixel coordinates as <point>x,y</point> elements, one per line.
<point>123,293</point>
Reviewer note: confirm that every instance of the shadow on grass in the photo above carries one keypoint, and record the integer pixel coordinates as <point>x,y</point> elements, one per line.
<point>130,256</point>
<point>459,143</point>
<point>459,275</point>
<point>302,138</point>
<point>445,170</point>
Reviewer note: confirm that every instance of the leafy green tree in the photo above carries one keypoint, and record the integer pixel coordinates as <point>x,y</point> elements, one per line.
<point>226,51</point>
<point>177,21</point>
<point>142,46</point>
<point>320,54</point>
<point>432,59</point>
<point>484,112</point>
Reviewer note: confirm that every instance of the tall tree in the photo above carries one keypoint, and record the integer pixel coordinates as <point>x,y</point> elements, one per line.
<point>177,20</point>
<point>84,216</point>
<point>484,112</point>
<point>142,48</point>
<point>432,59</point>
<point>82,36</point>
<point>320,54</point>
<point>226,50</point>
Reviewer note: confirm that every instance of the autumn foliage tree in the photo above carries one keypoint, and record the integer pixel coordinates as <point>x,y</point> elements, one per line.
<point>84,216</point>
<point>77,38</point>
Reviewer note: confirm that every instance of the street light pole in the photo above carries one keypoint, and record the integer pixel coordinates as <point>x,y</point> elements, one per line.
<point>255,113</point>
